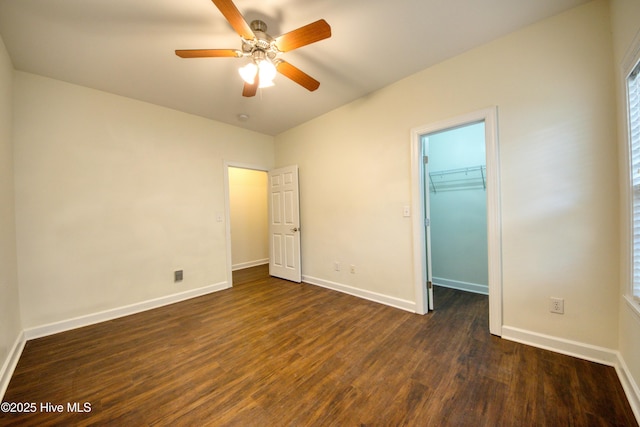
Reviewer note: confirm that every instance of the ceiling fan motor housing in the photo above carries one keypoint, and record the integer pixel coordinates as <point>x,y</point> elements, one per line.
<point>262,45</point>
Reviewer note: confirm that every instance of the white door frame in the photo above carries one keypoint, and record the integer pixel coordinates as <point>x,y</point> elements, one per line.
<point>227,210</point>
<point>494,222</point>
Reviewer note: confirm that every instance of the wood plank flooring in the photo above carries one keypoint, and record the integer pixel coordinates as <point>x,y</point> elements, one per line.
<point>274,353</point>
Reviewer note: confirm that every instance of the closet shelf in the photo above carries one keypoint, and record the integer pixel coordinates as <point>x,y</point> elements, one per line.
<point>469,178</point>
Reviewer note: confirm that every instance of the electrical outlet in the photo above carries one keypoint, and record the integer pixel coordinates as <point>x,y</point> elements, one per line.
<point>353,269</point>
<point>557,305</point>
<point>336,266</point>
<point>177,276</point>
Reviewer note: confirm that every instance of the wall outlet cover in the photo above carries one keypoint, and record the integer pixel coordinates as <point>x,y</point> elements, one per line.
<point>556,305</point>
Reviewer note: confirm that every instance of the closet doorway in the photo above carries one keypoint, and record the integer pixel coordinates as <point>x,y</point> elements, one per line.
<point>435,173</point>
<point>455,185</point>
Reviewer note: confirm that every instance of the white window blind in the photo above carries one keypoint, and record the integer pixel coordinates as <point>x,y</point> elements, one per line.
<point>633,93</point>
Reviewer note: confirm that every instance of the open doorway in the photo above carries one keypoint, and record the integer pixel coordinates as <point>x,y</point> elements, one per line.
<point>421,222</point>
<point>263,220</point>
<point>456,187</point>
<point>247,225</point>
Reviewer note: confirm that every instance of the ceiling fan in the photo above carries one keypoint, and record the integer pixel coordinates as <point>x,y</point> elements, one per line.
<point>264,50</point>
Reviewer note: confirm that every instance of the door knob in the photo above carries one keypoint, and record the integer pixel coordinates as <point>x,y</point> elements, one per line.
<point>295,229</point>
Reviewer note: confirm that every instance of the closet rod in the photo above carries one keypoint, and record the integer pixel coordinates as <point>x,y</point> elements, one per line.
<point>445,184</point>
<point>460,170</point>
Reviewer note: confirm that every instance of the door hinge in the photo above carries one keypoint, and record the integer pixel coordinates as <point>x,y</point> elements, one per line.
<point>429,284</point>
<point>427,222</point>
<point>425,159</point>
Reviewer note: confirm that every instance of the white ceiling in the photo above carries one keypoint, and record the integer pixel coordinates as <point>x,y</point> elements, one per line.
<point>127,47</point>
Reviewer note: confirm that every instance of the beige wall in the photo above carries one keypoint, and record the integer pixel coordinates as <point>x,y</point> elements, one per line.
<point>113,195</point>
<point>248,215</point>
<point>553,85</point>
<point>10,324</point>
<point>625,19</point>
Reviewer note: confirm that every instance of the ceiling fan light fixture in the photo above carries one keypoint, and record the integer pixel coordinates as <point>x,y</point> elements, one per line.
<point>248,72</point>
<point>267,73</point>
<point>266,69</point>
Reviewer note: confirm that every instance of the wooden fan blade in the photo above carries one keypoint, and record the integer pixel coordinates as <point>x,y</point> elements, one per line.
<point>249,89</point>
<point>208,53</point>
<point>303,36</point>
<point>297,75</point>
<point>235,18</point>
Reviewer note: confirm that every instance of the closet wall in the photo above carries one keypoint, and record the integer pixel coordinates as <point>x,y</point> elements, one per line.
<point>458,208</point>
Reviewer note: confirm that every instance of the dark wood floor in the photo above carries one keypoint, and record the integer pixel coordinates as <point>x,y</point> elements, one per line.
<point>274,353</point>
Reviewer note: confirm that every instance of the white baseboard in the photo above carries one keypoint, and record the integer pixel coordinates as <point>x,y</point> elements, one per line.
<point>630,387</point>
<point>361,293</point>
<point>589,352</point>
<point>103,316</point>
<point>10,363</point>
<point>463,286</point>
<point>249,264</point>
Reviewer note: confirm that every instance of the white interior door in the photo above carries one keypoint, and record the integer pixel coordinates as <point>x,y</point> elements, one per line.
<point>427,222</point>
<point>284,224</point>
